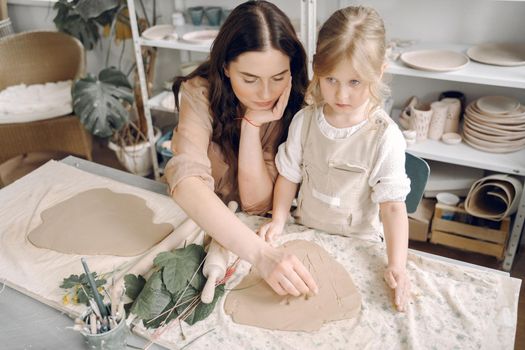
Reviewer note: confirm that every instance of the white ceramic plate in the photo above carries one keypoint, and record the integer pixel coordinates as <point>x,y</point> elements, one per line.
<point>497,104</point>
<point>160,32</point>
<point>202,37</point>
<point>498,54</point>
<point>435,60</point>
<point>492,148</point>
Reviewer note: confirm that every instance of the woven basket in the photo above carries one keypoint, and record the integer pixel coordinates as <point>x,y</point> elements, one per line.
<point>6,28</point>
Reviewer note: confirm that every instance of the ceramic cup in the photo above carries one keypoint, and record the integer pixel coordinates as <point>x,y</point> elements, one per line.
<point>213,14</point>
<point>455,94</point>
<point>420,116</point>
<point>439,117</point>
<point>114,339</point>
<point>196,13</point>
<point>453,114</point>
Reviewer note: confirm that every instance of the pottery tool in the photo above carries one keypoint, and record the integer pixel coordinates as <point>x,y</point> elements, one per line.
<point>92,284</point>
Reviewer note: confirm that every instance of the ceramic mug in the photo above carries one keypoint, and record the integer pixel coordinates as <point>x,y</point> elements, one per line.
<point>420,116</point>
<point>213,14</point>
<point>196,13</point>
<point>454,94</point>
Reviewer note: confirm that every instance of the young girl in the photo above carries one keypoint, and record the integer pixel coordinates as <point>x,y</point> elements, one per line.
<point>344,150</point>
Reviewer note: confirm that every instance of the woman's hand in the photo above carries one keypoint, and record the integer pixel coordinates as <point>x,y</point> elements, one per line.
<point>261,117</point>
<point>285,273</point>
<point>271,229</point>
<point>398,280</point>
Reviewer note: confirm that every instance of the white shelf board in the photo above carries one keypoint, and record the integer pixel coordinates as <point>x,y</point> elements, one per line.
<point>474,72</point>
<point>180,44</point>
<point>155,101</point>
<point>465,155</point>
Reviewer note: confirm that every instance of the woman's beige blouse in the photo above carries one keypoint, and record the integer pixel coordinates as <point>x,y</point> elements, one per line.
<point>196,155</point>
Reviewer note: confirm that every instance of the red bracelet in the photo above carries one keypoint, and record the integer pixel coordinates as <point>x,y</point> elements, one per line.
<point>249,121</point>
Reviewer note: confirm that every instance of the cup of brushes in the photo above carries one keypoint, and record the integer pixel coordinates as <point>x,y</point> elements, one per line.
<point>103,326</point>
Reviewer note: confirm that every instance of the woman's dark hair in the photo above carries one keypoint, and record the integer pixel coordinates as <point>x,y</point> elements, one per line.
<point>251,26</point>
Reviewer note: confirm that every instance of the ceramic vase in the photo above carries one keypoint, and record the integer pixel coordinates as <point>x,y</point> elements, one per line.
<point>420,116</point>
<point>437,122</point>
<point>453,114</point>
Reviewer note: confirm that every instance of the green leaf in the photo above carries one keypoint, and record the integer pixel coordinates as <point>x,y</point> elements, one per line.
<point>70,282</point>
<point>134,285</point>
<point>99,102</point>
<point>178,271</point>
<point>69,21</point>
<point>166,317</point>
<point>164,259</point>
<point>152,299</point>
<point>94,8</point>
<point>204,310</point>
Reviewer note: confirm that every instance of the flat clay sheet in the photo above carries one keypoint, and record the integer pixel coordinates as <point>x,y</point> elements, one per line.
<point>99,222</point>
<point>254,303</point>
<point>38,272</point>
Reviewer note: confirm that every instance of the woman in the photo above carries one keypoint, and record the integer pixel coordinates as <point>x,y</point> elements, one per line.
<point>234,112</point>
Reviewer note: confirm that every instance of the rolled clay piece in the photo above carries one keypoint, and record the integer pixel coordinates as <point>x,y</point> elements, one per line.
<point>99,222</point>
<point>254,303</point>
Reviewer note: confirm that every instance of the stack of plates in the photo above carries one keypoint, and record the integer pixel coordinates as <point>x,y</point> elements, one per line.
<point>495,124</point>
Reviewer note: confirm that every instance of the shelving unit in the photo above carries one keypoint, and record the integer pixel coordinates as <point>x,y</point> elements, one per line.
<point>463,154</point>
<point>474,72</point>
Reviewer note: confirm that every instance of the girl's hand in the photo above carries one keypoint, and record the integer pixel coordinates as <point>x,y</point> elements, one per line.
<point>285,273</point>
<point>398,280</point>
<point>271,229</point>
<point>261,117</point>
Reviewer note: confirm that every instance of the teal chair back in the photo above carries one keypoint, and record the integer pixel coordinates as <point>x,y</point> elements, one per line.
<point>417,171</point>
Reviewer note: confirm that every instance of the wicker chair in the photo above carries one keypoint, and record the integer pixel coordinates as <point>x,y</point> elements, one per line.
<point>38,57</point>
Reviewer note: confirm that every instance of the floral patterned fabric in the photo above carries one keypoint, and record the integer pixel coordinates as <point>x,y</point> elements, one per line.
<point>452,306</point>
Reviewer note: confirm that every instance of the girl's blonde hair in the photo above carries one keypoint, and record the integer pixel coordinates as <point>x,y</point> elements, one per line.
<point>355,33</point>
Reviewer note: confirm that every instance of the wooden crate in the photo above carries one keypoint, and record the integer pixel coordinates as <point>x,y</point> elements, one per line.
<point>454,227</point>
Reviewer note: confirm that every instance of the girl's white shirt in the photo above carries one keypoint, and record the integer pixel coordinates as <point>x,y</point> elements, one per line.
<point>387,177</point>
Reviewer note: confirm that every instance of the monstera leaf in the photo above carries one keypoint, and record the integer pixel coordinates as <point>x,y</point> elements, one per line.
<point>99,102</point>
<point>94,8</point>
<point>79,18</point>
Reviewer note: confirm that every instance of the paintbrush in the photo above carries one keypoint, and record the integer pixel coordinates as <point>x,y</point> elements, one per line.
<point>92,284</point>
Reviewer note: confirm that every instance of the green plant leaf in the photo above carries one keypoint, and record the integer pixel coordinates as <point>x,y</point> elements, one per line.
<point>167,316</point>
<point>94,8</point>
<point>178,270</point>
<point>153,298</point>
<point>134,285</point>
<point>204,310</point>
<point>69,21</point>
<point>99,102</point>
<point>164,259</point>
<point>70,282</point>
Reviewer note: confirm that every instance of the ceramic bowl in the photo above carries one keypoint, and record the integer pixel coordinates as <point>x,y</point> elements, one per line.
<point>447,198</point>
<point>451,138</point>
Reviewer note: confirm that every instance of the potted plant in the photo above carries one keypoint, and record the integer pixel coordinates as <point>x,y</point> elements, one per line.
<point>108,105</point>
